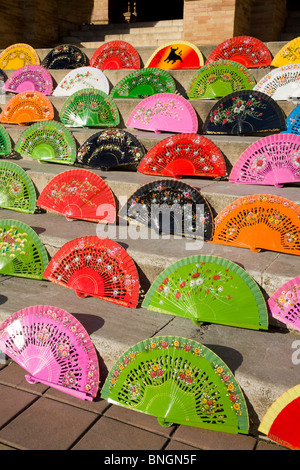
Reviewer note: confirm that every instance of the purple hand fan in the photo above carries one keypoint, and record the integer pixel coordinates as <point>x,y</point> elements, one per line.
<point>54,348</point>
<point>272,160</point>
<point>284,304</point>
<point>29,78</point>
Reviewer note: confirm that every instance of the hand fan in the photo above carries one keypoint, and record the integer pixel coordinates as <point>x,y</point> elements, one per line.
<point>210,289</point>
<point>272,160</point>
<point>244,112</point>
<point>184,154</point>
<point>65,56</point>
<point>179,381</point>
<point>288,54</point>
<point>260,221</point>
<point>29,78</point>
<point>5,142</point>
<point>115,55</point>
<point>22,253</point>
<point>282,83</point>
<point>143,83</point>
<point>48,141</point>
<point>245,50</point>
<point>293,122</point>
<point>281,421</point>
<point>96,267</point>
<point>54,348</point>
<point>164,112</point>
<point>78,194</point>
<point>176,55</point>
<point>17,191</point>
<point>26,107</point>
<point>111,149</point>
<point>218,79</point>
<point>17,56</point>
<point>89,107</point>
<point>171,207</point>
<point>284,304</point>
<point>82,77</point>
<point>3,79</point>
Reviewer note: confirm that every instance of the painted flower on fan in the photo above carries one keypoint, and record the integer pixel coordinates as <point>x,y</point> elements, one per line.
<point>43,335</point>
<point>63,349</point>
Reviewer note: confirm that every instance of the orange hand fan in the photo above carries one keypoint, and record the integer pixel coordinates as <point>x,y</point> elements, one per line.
<point>97,267</point>
<point>78,194</point>
<point>261,221</point>
<point>28,107</point>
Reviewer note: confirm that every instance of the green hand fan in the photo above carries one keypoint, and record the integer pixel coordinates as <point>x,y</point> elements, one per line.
<point>22,253</point>
<point>89,108</point>
<point>178,381</point>
<point>17,191</point>
<point>48,141</point>
<point>209,289</point>
<point>5,142</point>
<point>143,83</point>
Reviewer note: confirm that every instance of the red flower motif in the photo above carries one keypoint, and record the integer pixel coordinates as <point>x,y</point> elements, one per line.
<point>182,376</point>
<point>160,288</point>
<point>195,275</point>
<point>166,281</point>
<point>216,277</point>
<point>182,284</point>
<point>178,295</point>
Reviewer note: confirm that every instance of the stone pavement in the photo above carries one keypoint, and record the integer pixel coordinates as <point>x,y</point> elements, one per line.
<point>34,417</point>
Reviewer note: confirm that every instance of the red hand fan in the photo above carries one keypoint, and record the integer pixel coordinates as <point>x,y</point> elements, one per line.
<point>115,55</point>
<point>79,194</point>
<point>97,267</point>
<point>54,348</point>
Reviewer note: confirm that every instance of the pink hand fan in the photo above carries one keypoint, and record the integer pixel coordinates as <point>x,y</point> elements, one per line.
<point>284,304</point>
<point>164,112</point>
<point>272,160</point>
<point>79,194</point>
<point>29,78</point>
<point>54,348</point>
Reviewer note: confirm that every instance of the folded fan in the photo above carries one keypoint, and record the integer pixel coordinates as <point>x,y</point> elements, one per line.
<point>17,191</point>
<point>27,107</point>
<point>284,304</point>
<point>282,83</point>
<point>293,122</point>
<point>176,55</point>
<point>5,141</point>
<point>115,55</point>
<point>29,78</point>
<point>65,56</point>
<point>80,78</point>
<point>17,56</point>
<point>288,54</point>
<point>54,349</point>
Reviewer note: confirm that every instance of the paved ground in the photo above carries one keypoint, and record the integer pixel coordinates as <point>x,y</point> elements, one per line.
<point>34,417</point>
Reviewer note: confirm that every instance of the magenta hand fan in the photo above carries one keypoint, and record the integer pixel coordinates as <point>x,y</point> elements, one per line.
<point>115,55</point>
<point>272,160</point>
<point>184,154</point>
<point>284,304</point>
<point>54,348</point>
<point>164,112</point>
<point>30,78</point>
<point>79,194</point>
<point>282,83</point>
<point>97,267</point>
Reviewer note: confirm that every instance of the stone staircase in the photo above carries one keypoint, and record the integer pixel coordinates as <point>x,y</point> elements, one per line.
<point>262,361</point>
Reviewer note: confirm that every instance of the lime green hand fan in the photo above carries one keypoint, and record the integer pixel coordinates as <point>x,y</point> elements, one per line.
<point>5,142</point>
<point>17,191</point>
<point>209,289</point>
<point>22,253</point>
<point>179,381</point>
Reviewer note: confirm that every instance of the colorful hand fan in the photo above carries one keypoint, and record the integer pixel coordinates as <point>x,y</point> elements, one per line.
<point>179,381</point>
<point>29,78</point>
<point>17,191</point>
<point>272,160</point>
<point>26,107</point>
<point>260,221</point>
<point>244,112</point>
<point>3,79</point>
<point>218,79</point>
<point>82,77</point>
<point>54,348</point>
<point>48,141</point>
<point>210,289</point>
<point>65,56</point>
<point>22,253</point>
<point>143,83</point>
<point>17,56</point>
<point>78,194</point>
<point>293,122</point>
<point>176,55</point>
<point>284,304</point>
<point>282,83</point>
<point>245,50</point>
<point>5,142</point>
<point>111,149</point>
<point>171,207</point>
<point>164,112</point>
<point>281,421</point>
<point>96,267</point>
<point>288,54</point>
<point>89,107</point>
<point>184,154</point>
<point>115,55</point>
